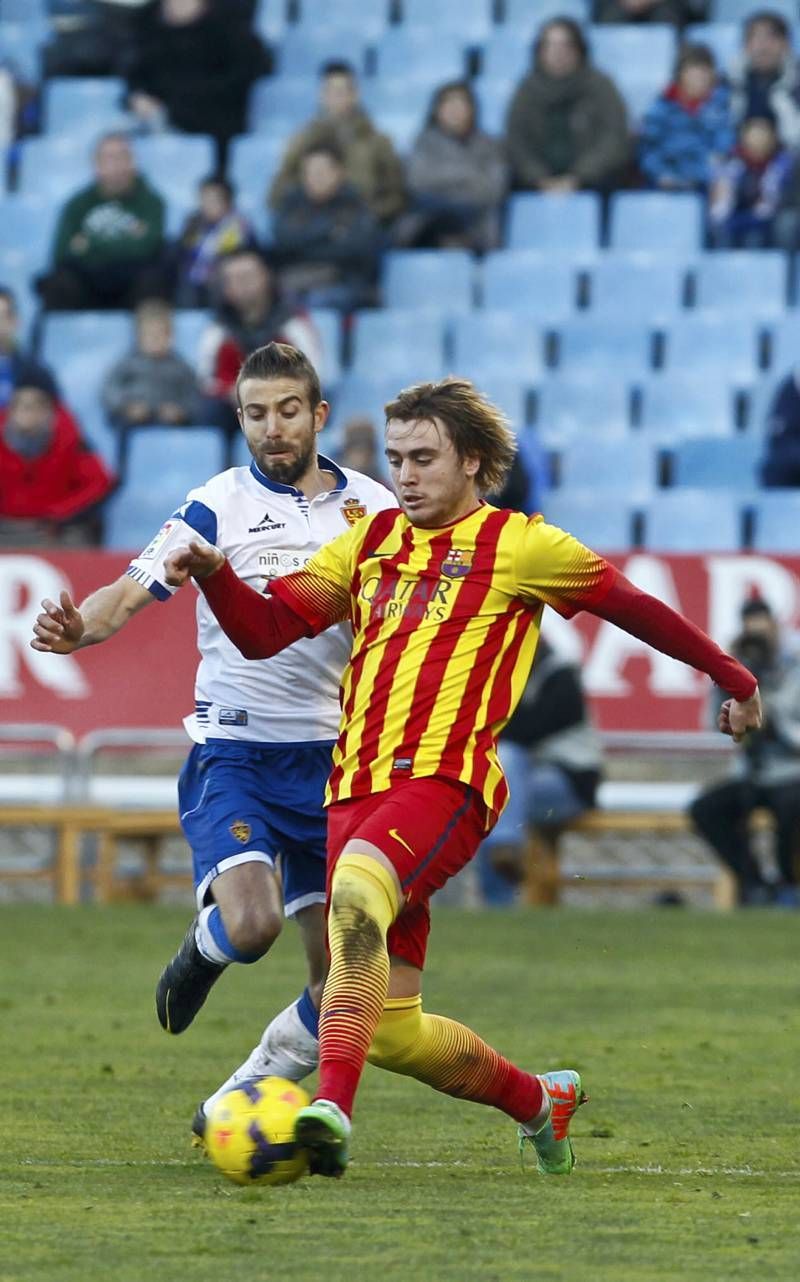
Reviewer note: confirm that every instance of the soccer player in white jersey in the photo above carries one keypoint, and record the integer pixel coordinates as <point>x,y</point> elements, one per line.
<point>251,791</point>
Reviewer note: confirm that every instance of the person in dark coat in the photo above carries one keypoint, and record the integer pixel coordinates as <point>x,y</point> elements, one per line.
<point>780,466</point>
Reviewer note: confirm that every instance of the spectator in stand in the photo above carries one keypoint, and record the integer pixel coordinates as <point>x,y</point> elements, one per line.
<point>215,229</point>
<point>628,11</point>
<point>457,176</point>
<point>153,384</point>
<point>552,759</point>
<point>750,188</point>
<point>192,68</point>
<point>15,365</point>
<point>110,237</point>
<point>780,466</point>
<point>767,78</point>
<point>326,240</point>
<point>766,771</point>
<point>51,482</point>
<point>361,449</point>
<point>567,126</point>
<point>689,127</point>
<point>370,160</point>
<point>251,314</point>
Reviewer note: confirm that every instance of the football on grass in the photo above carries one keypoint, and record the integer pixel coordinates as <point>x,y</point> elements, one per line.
<point>249,1132</point>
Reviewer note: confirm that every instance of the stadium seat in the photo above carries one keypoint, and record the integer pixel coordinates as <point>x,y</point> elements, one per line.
<point>358,397</point>
<point>163,464</point>
<point>658,221</point>
<point>724,39</point>
<point>401,126</point>
<point>470,20</point>
<point>254,160</point>
<point>36,11</point>
<point>639,91</point>
<point>751,281</point>
<point>328,323</point>
<point>497,344</point>
<point>27,224</point>
<point>525,17</point>
<point>784,343</point>
<point>279,105</point>
<point>615,467</point>
<point>506,57</point>
<point>604,524</point>
<point>411,53</point>
<point>777,522</point>
<point>188,325</point>
<point>685,521</point>
<point>582,411</point>
<point>270,20</point>
<point>709,463</point>
<point>15,274</point>
<point>67,335</point>
<point>738,10</point>
<point>54,168</point>
<point>566,223</point>
<point>643,46</point>
<point>370,16</point>
<point>21,46</point>
<point>403,345</point>
<point>87,105</point>
<point>303,50</point>
<point>428,279</point>
<point>493,96</point>
<point>644,286</point>
<point>592,348</point>
<point>696,344</point>
<point>675,407</point>
<point>175,163</point>
<point>512,395</point>
<point>528,281</point>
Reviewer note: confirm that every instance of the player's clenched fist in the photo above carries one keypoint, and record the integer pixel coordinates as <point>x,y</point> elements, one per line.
<point>59,628</point>
<point>197,561</point>
<point>737,718</point>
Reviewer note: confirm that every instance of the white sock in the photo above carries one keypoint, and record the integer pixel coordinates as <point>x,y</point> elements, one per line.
<point>205,940</point>
<point>287,1049</point>
<point>538,1123</point>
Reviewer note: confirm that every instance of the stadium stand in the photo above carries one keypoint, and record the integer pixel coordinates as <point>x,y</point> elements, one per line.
<point>682,521</point>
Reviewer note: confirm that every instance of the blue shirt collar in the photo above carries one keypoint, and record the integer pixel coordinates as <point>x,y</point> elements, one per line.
<point>277,487</point>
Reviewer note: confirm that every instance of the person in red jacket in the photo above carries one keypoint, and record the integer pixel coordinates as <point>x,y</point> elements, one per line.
<point>51,481</point>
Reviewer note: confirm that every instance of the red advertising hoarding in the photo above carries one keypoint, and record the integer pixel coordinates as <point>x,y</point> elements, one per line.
<point>143,676</point>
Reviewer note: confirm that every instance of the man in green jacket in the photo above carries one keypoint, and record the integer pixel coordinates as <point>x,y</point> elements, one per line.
<point>110,237</point>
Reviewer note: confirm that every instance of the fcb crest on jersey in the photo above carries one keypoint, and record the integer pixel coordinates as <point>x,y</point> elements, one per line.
<point>353,511</point>
<point>241,831</point>
<point>457,563</point>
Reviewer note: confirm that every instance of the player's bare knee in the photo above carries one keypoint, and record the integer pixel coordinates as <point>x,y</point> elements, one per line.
<point>253,928</point>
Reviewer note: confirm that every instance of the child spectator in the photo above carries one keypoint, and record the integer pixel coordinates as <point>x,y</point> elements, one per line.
<point>457,176</point>
<point>153,384</point>
<point>15,365</point>
<point>750,188</point>
<point>766,78</point>
<point>326,239</point>
<point>215,229</point>
<point>51,481</point>
<point>689,127</point>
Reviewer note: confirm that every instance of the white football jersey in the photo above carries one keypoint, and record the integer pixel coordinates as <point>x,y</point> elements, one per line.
<point>265,530</point>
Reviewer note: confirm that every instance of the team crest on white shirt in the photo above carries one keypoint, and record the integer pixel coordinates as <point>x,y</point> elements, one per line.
<point>353,510</point>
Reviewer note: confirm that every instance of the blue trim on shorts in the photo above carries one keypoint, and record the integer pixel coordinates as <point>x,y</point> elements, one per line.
<point>452,822</point>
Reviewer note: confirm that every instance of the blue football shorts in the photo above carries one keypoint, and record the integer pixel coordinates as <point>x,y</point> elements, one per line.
<point>257,803</point>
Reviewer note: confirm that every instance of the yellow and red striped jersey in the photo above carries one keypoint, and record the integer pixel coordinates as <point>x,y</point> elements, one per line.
<point>445,625</point>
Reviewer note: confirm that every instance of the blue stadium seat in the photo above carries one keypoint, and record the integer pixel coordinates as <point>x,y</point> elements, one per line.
<point>506,57</point>
<point>603,524</point>
<point>54,168</point>
<point>253,161</point>
<point>675,407</point>
<point>643,286</point>
<point>738,10</point>
<point>751,281</point>
<point>777,522</point>
<point>15,274</point>
<point>101,335</point>
<point>493,95</point>
<point>583,411</point>
<point>411,52</point>
<point>36,11</point>
<point>401,126</point>
<point>724,39</point>
<point>619,466</point>
<point>710,463</point>
<point>83,104</point>
<point>784,343</point>
<point>270,20</point>
<point>648,45</point>
<point>512,395</point>
<point>526,16</point>
<point>303,50</point>
<point>684,521</point>
<point>404,345</point>
<point>497,344</point>
<point>659,221</point>
<point>525,280</point>
<point>639,91</point>
<point>428,279</point>
<point>696,344</point>
<point>21,45</point>
<point>27,224</point>
<point>566,223</point>
<point>592,348</point>
<point>163,464</point>
<point>357,397</point>
<point>189,325</point>
<point>471,20</point>
<point>328,323</point>
<point>175,163</point>
<point>370,16</point>
<point>280,105</point>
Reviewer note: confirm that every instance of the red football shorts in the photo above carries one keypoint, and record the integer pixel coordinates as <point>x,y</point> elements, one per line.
<point>428,829</point>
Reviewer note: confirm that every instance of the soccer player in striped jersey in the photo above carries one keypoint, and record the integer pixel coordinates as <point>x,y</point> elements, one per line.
<point>445,596</point>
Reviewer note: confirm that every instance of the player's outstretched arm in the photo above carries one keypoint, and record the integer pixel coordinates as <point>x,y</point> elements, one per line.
<point>62,628</point>
<point>259,626</point>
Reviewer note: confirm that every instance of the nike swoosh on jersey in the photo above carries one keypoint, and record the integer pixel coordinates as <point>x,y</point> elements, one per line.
<point>394,833</point>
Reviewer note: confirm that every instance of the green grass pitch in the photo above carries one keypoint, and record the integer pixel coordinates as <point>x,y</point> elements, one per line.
<point>684,1026</point>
